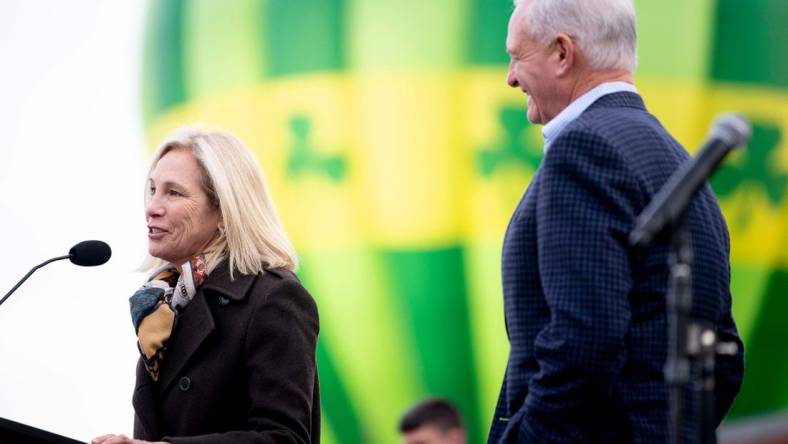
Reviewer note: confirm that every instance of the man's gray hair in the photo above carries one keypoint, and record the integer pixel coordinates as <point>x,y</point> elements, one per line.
<point>604,30</point>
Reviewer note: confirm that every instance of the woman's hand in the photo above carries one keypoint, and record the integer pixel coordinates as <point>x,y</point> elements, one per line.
<point>120,439</point>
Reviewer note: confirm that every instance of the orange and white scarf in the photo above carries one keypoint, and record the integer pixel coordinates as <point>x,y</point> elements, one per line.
<point>155,308</point>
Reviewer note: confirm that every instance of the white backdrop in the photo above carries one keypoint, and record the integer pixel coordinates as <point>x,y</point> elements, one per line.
<point>71,169</point>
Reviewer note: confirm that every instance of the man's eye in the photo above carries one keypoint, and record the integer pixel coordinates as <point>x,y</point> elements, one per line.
<point>152,190</point>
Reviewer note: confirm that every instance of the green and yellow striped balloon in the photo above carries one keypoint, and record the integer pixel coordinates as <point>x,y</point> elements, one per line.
<point>396,153</point>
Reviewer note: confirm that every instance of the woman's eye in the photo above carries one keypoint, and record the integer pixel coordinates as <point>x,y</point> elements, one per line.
<point>174,193</point>
<point>152,190</point>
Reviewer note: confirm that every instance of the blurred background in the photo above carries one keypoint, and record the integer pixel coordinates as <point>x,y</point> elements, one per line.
<point>395,153</point>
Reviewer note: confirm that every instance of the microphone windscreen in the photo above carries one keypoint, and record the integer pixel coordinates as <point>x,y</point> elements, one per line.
<point>733,129</point>
<point>90,253</point>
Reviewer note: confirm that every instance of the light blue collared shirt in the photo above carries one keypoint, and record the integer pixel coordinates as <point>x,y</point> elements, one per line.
<point>554,127</point>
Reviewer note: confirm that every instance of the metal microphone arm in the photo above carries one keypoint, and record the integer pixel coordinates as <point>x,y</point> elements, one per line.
<point>59,258</point>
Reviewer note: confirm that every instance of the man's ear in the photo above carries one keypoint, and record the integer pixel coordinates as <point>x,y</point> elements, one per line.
<point>565,51</point>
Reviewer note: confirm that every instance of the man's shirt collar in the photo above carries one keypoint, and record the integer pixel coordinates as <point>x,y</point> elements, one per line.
<point>554,127</point>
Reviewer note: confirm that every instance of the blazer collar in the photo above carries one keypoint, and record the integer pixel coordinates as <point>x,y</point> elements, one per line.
<point>618,100</point>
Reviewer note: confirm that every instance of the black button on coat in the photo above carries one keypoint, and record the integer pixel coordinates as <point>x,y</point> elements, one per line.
<point>239,372</point>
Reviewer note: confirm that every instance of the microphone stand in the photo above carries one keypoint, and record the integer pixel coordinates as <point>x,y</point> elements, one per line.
<point>692,344</point>
<point>679,302</point>
<point>59,258</point>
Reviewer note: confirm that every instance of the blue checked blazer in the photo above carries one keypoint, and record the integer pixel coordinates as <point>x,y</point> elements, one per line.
<point>585,312</point>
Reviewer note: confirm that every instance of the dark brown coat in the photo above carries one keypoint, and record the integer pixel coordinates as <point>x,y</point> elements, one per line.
<point>239,368</point>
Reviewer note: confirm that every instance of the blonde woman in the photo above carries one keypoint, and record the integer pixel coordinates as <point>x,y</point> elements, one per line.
<point>226,332</point>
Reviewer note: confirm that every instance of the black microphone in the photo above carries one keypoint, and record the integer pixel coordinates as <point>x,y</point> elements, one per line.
<point>668,205</point>
<point>90,253</point>
<point>87,254</point>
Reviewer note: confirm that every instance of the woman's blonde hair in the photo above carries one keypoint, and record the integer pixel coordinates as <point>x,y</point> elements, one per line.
<point>252,237</point>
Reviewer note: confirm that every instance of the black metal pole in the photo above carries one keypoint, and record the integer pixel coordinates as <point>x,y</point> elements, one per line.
<point>679,303</point>
<point>708,349</point>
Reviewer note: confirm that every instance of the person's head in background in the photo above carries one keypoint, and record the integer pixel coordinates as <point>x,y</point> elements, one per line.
<point>432,421</point>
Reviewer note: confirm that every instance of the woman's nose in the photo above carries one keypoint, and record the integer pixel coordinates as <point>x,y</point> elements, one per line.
<point>153,208</point>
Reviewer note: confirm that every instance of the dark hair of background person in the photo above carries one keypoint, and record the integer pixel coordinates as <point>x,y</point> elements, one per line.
<point>436,412</point>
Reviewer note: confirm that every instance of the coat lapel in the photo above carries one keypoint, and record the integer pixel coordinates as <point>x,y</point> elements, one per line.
<point>196,322</point>
<point>145,405</point>
<point>193,326</point>
<point>237,288</point>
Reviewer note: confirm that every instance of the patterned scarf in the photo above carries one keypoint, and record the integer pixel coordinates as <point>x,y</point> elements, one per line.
<point>156,305</point>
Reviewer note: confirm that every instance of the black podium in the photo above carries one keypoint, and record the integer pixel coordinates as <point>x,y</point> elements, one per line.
<point>15,433</point>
